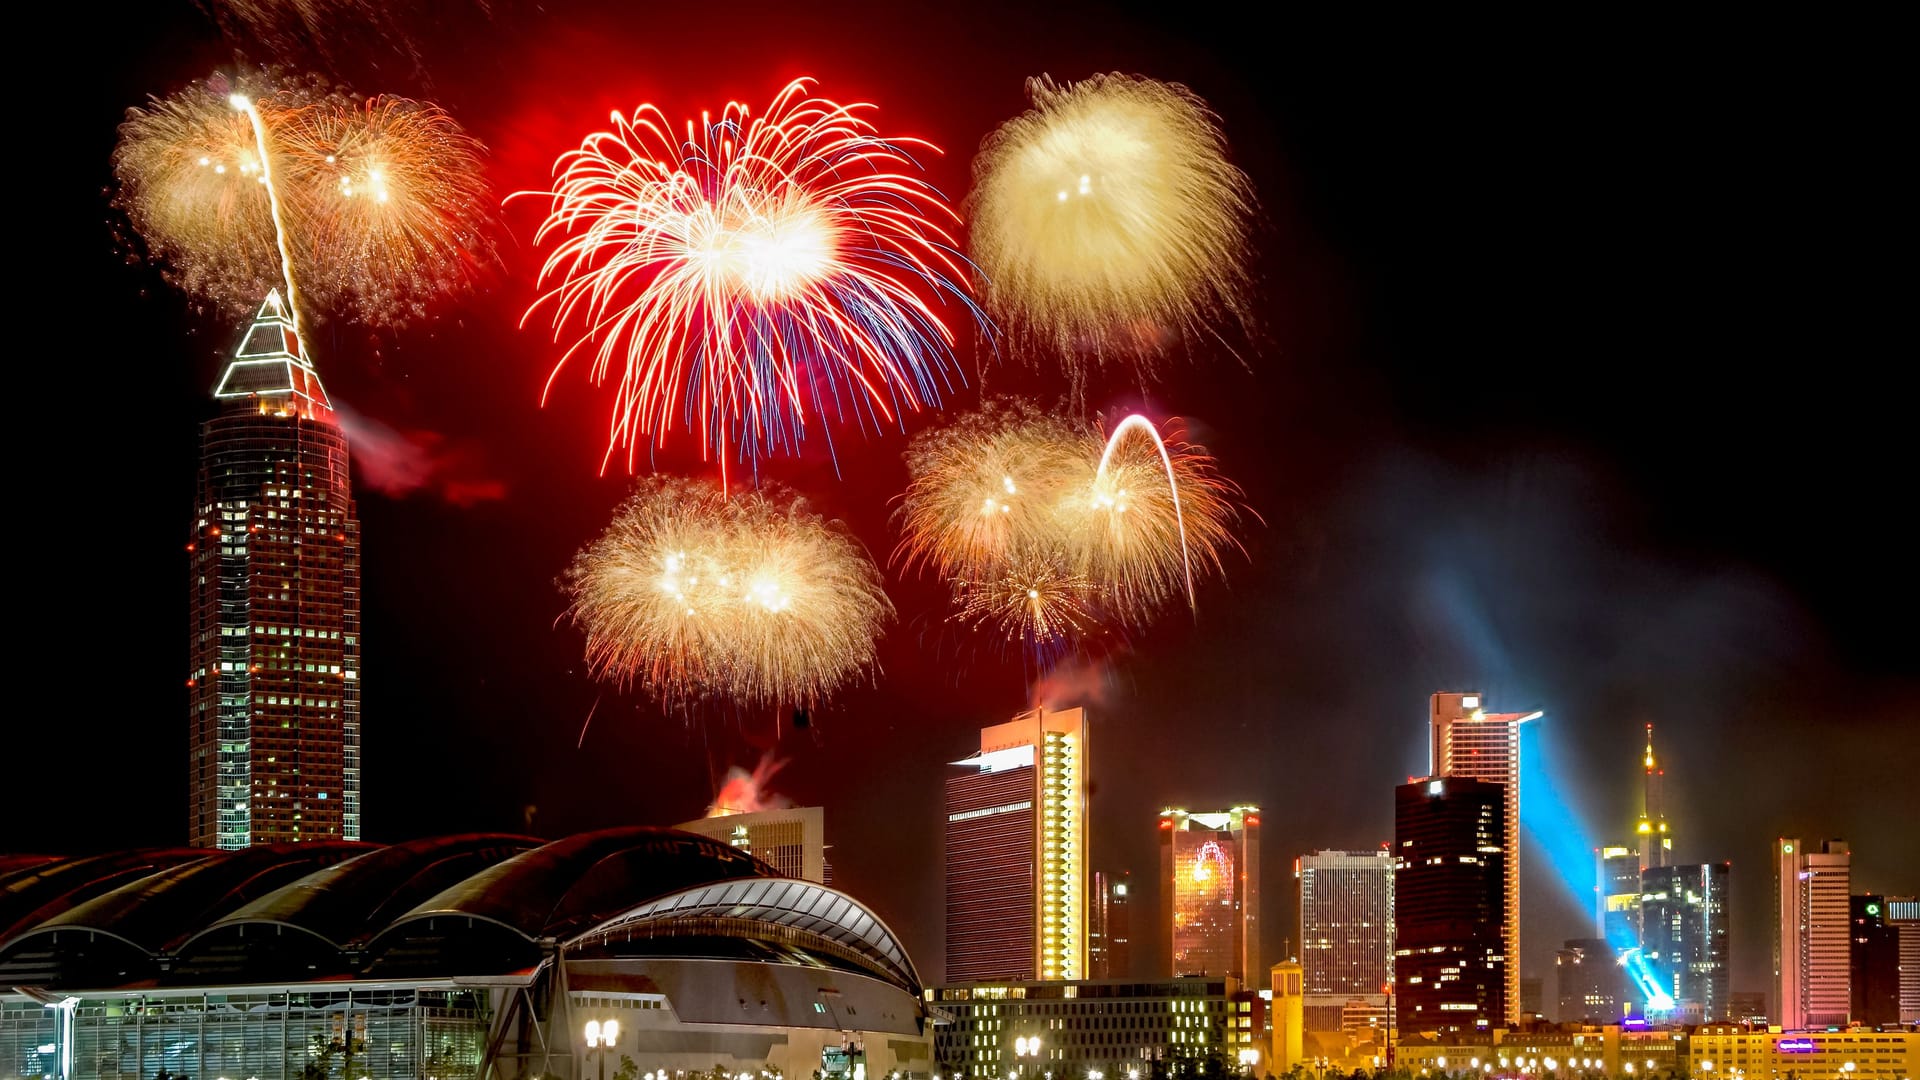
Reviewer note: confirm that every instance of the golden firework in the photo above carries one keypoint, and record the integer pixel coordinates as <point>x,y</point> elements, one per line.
<point>1108,221</point>
<point>382,200</point>
<point>1048,530</point>
<point>692,594</point>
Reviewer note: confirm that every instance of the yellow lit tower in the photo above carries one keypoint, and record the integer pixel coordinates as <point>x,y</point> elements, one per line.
<point>1017,852</point>
<point>1656,843</point>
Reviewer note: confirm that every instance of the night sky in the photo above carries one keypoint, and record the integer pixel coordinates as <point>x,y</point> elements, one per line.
<point>1576,380</point>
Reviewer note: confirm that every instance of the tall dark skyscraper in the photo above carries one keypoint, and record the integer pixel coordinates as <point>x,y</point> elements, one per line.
<point>1449,901</point>
<point>1589,983</point>
<point>274,619</point>
<point>1110,927</point>
<point>1874,960</point>
<point>1683,936</point>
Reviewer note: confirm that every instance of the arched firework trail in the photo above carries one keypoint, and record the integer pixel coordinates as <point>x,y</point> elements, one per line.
<point>752,273</point>
<point>1049,530</point>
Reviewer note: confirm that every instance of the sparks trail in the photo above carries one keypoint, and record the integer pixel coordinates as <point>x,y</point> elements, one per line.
<point>752,273</point>
<point>379,203</point>
<point>1048,531</point>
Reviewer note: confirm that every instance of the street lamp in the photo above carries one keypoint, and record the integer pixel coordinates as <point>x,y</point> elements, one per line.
<point>601,1036</point>
<point>1025,1047</point>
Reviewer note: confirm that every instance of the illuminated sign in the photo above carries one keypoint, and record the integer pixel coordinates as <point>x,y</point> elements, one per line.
<point>1873,909</point>
<point>1794,1046</point>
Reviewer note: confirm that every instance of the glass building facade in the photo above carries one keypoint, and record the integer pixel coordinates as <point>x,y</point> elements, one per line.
<point>388,1033</point>
<point>1346,932</point>
<point>1449,963</point>
<point>1683,935</point>
<point>274,615</point>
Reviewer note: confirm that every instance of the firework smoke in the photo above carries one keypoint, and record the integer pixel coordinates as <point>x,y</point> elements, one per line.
<point>1107,219</point>
<point>746,792</point>
<point>692,595</point>
<point>750,274</point>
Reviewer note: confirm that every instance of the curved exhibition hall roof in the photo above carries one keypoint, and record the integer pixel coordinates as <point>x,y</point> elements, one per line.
<point>475,905</point>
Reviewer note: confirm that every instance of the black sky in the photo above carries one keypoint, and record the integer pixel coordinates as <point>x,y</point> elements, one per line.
<point>1578,380</point>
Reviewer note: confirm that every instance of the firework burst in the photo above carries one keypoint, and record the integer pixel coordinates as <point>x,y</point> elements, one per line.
<point>1046,530</point>
<point>693,595</point>
<point>1107,220</point>
<point>751,273</point>
<point>381,201</point>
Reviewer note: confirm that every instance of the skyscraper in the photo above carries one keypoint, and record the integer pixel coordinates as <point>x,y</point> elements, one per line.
<point>1016,852</point>
<point>792,840</point>
<point>1656,841</point>
<point>1449,911</point>
<point>1903,912</point>
<point>1346,931</point>
<point>1683,937</point>
<point>1589,983</point>
<point>1873,959</point>
<point>1812,934</point>
<point>274,616</point>
<point>1471,742</point>
<point>1210,887</point>
<point>1109,927</point>
<point>1618,920</point>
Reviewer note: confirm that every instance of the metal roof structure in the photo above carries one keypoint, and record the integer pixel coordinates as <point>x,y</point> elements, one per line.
<point>474,906</point>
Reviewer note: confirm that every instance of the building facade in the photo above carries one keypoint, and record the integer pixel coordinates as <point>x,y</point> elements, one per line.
<point>1110,927</point>
<point>1470,742</point>
<point>1111,1026</point>
<point>1732,1051</point>
<point>1016,845</point>
<point>1812,947</point>
<point>1450,960</point>
<point>1286,1039</point>
<point>1904,913</point>
<point>1346,931</point>
<point>1873,958</point>
<point>273,683</point>
<point>1210,890</point>
<point>1588,984</point>
<point>791,840</point>
<point>1618,919</point>
<point>1683,937</point>
<point>1609,1050</point>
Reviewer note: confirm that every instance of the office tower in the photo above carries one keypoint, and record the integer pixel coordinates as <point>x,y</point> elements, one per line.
<point>1210,891</point>
<point>1346,931</point>
<point>1747,1007</point>
<point>791,840</point>
<point>1683,937</point>
<point>1530,998</point>
<point>1588,982</point>
<point>1619,915</point>
<point>1289,1027</point>
<point>1873,960</point>
<point>273,684</point>
<point>1449,906</point>
<point>1904,913</point>
<point>1812,934</point>
<point>1109,945</point>
<point>1470,742</point>
<point>1656,840</point>
<point>1016,852</point>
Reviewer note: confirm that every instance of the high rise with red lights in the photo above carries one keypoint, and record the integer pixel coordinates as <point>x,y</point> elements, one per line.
<point>274,617</point>
<point>1469,741</point>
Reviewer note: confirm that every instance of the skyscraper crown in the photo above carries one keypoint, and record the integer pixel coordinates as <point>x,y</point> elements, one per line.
<point>270,363</point>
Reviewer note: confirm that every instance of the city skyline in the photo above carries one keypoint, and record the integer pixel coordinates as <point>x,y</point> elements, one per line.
<point>1439,510</point>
